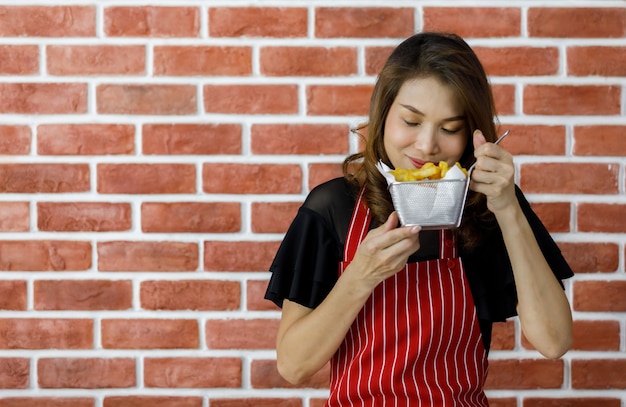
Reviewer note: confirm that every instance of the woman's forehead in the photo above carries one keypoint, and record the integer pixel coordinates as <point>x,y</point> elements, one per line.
<point>430,96</point>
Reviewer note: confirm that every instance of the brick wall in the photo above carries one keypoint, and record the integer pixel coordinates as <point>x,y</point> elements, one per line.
<point>153,153</point>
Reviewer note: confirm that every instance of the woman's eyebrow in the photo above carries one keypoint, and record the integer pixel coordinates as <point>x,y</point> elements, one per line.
<point>416,111</point>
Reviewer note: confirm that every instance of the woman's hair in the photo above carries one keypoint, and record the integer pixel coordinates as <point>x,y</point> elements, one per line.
<point>449,59</point>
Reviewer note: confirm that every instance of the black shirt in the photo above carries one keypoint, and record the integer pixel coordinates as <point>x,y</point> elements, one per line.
<point>305,268</point>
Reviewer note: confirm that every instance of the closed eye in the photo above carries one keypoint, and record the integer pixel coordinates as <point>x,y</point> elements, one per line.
<point>411,124</point>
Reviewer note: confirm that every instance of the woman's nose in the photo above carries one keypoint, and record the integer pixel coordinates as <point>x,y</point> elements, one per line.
<point>426,141</point>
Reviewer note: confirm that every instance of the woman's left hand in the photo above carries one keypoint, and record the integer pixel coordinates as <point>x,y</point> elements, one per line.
<point>494,174</point>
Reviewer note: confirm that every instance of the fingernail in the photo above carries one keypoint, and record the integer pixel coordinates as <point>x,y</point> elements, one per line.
<point>416,229</point>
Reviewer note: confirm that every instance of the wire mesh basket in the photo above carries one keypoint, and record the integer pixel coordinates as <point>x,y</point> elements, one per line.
<point>434,204</point>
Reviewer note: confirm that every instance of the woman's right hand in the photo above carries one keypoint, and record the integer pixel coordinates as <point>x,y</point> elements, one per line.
<point>307,338</point>
<point>384,251</point>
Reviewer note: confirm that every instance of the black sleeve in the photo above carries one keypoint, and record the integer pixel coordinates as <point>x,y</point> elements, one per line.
<point>305,267</point>
<point>490,273</point>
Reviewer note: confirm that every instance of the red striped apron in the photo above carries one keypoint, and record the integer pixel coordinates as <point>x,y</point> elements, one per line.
<point>417,341</point>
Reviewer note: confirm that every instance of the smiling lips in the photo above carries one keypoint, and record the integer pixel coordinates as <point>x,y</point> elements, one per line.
<point>417,162</point>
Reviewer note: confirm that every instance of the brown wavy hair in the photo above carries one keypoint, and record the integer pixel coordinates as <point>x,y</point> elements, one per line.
<point>448,58</point>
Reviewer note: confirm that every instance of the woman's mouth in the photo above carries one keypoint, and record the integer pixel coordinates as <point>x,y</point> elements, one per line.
<point>417,162</point>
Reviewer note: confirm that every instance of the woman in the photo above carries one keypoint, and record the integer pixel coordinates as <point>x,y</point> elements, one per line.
<point>403,315</point>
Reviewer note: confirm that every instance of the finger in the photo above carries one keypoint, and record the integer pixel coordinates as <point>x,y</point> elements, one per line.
<point>392,221</point>
<point>478,139</point>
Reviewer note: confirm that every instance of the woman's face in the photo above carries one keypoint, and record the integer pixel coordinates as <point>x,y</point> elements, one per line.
<point>426,123</point>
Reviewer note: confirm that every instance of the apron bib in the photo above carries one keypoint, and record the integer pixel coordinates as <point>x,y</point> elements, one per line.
<point>417,341</point>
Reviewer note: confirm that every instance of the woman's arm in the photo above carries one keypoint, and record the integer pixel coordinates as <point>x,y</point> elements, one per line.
<point>543,308</point>
<point>308,338</point>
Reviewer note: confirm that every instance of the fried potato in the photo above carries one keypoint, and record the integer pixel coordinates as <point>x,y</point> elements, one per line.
<point>429,171</point>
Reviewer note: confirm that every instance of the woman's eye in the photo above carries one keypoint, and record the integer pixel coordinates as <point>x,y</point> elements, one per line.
<point>448,131</point>
<point>412,124</point>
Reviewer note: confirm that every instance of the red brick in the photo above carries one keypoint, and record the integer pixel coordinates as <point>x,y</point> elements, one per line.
<point>19,59</point>
<point>83,216</point>
<point>525,374</point>
<point>251,99</point>
<point>45,255</point>
<point>202,61</point>
<point>577,22</point>
<point>503,336</point>
<point>14,373</point>
<point>251,178</point>
<point>519,61</point>
<point>555,216</point>
<point>44,178</point>
<point>264,375</point>
<point>85,139</point>
<point>38,21</point>
<point>191,217</point>
<point>14,216</point>
<point>591,257</point>
<point>598,217</point>
<point>86,373</point>
<point>502,402</point>
<point>146,178</point>
<point>150,334</point>
<point>193,373</point>
<point>596,61</point>
<point>364,22</point>
<point>127,256</point>
<point>13,295</point>
<point>338,100</point>
<point>241,333</point>
<point>146,99</point>
<point>599,296</point>
<point>596,335</point>
<point>600,140</point>
<point>571,402</point>
<point>226,255</point>
<point>598,374</point>
<point>534,139</point>
<point>311,139</point>
<point>152,401</point>
<point>256,402</point>
<point>474,21</point>
<point>47,401</point>
<point>96,60</point>
<point>569,178</point>
<point>375,58</point>
<point>504,98</point>
<point>49,333</point>
<point>14,140</point>
<point>322,172</point>
<point>87,295</point>
<point>278,22</point>
<point>150,21</point>
<point>194,139</point>
<point>574,100</point>
<point>198,295</point>
<point>255,290</point>
<point>308,61</point>
<point>273,217</point>
<point>43,98</point>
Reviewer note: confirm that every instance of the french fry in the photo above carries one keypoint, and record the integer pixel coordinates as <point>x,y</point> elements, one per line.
<point>428,171</point>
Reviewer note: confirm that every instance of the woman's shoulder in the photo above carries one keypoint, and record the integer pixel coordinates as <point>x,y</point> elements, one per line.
<point>334,193</point>
<point>333,202</point>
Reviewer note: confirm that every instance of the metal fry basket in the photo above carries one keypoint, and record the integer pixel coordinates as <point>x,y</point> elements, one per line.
<point>434,204</point>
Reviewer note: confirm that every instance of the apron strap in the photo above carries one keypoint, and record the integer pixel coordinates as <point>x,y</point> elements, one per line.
<point>447,244</point>
<point>359,225</point>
